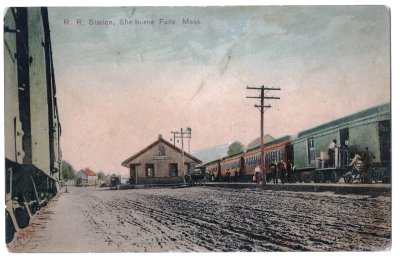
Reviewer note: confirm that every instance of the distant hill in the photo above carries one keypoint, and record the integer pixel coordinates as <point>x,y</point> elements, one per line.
<point>210,154</point>
<point>256,142</point>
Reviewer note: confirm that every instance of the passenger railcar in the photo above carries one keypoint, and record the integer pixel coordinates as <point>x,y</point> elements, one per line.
<point>278,150</point>
<point>32,128</point>
<point>219,169</point>
<point>244,164</point>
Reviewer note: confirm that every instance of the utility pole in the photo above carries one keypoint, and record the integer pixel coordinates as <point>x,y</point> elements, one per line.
<point>183,153</point>
<point>261,107</point>
<point>174,136</point>
<point>183,134</point>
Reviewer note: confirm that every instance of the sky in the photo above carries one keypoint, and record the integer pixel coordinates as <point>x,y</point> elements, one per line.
<point>120,86</point>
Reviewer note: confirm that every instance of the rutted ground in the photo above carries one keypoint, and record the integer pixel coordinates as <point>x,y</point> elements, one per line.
<point>216,219</point>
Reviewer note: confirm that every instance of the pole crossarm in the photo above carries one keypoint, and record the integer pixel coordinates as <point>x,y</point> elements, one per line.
<point>260,88</point>
<point>265,97</point>
<point>265,106</point>
<point>259,97</point>
<point>184,134</point>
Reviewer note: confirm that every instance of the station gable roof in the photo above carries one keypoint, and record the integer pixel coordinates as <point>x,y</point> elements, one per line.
<point>125,163</point>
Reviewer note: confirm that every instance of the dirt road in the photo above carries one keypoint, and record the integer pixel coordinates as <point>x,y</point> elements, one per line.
<point>209,219</point>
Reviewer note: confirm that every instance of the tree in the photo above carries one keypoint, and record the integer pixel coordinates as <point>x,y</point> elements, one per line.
<point>101,175</point>
<point>235,148</point>
<point>68,172</point>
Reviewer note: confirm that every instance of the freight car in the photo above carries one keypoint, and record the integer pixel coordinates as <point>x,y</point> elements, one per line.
<point>32,128</point>
<point>369,128</point>
<point>306,156</point>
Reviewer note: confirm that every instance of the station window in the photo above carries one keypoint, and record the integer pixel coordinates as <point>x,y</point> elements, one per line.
<point>149,170</point>
<point>161,150</point>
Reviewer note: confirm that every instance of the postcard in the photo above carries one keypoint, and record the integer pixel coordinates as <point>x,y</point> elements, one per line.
<point>197,129</point>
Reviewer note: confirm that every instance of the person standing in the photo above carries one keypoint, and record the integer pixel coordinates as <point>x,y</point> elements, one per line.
<point>236,178</point>
<point>274,171</point>
<point>289,169</point>
<point>219,175</point>
<point>331,152</point>
<point>257,172</point>
<point>208,173</point>
<point>228,176</point>
<point>282,171</point>
<point>367,162</point>
<point>242,168</point>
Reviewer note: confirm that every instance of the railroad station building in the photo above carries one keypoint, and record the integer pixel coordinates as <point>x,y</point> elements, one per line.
<point>159,163</point>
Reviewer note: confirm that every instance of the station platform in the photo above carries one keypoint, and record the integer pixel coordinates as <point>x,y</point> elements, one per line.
<point>375,189</point>
<point>340,188</point>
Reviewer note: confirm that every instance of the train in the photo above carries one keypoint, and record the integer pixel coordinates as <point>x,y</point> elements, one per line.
<point>306,157</point>
<point>32,126</point>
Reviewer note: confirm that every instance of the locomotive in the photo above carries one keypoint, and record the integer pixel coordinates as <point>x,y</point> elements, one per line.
<point>32,127</point>
<point>306,157</point>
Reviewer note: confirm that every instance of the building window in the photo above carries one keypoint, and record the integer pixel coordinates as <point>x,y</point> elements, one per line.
<point>161,150</point>
<point>173,169</point>
<point>149,170</point>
